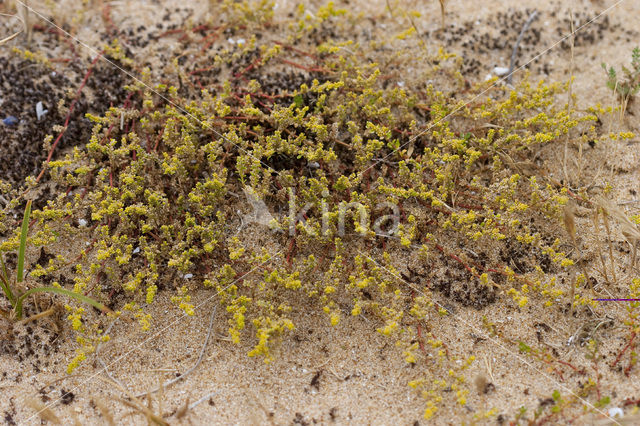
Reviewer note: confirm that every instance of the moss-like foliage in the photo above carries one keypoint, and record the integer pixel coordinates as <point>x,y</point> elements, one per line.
<point>307,123</point>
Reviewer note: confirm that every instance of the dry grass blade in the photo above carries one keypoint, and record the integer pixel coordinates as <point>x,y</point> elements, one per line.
<point>23,10</point>
<point>35,317</point>
<point>44,412</point>
<point>182,411</point>
<point>106,414</point>
<point>602,204</point>
<point>628,229</point>
<point>14,35</point>
<point>442,11</point>
<point>8,39</point>
<point>569,214</point>
<point>136,404</point>
<point>570,225</point>
<point>193,367</point>
<point>596,226</point>
<point>151,417</point>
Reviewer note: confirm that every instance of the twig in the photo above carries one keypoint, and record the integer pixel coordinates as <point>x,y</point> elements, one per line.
<point>105,367</point>
<point>190,370</point>
<point>627,346</point>
<point>566,140</point>
<point>201,400</point>
<point>515,47</point>
<point>136,404</point>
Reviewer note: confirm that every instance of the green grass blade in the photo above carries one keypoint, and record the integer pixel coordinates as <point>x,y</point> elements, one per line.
<point>23,241</point>
<point>61,291</point>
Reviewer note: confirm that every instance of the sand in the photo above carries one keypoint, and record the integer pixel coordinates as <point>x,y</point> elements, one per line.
<point>350,375</point>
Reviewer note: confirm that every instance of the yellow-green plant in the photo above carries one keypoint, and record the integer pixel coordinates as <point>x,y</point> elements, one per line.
<point>157,193</point>
<point>13,289</point>
<point>630,85</point>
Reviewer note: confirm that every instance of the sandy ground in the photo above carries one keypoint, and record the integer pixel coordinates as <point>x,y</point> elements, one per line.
<point>352,374</point>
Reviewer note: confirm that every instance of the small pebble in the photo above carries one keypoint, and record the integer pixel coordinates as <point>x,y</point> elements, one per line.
<point>136,250</point>
<point>188,276</point>
<point>82,223</point>
<point>10,121</point>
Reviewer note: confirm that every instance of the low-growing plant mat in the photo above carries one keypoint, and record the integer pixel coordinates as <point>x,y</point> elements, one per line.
<point>212,161</point>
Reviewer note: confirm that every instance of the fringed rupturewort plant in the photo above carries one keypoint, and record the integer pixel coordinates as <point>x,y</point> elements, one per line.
<point>333,149</point>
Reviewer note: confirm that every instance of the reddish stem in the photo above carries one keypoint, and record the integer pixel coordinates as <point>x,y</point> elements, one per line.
<point>627,346</point>
<point>302,67</point>
<point>68,119</point>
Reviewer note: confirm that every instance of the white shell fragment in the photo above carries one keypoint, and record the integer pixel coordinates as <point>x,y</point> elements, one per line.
<point>40,111</point>
<point>616,411</point>
<point>82,223</point>
<point>501,71</point>
<point>188,276</point>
